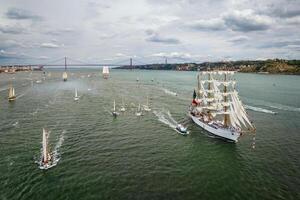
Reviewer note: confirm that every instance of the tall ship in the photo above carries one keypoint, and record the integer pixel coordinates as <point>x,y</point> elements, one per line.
<point>217,108</point>
<point>65,75</point>
<point>105,72</point>
<point>11,94</point>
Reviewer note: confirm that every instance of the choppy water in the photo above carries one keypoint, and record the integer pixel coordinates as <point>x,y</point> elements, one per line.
<point>132,157</point>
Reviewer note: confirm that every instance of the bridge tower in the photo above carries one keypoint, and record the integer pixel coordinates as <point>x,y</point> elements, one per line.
<point>130,63</point>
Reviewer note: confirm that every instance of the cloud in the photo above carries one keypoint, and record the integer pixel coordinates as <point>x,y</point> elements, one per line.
<point>155,37</point>
<point>280,44</point>
<point>14,29</point>
<point>239,39</point>
<point>7,44</point>
<point>246,21</point>
<point>59,32</point>
<point>21,14</point>
<point>215,24</point>
<point>176,55</point>
<point>49,45</point>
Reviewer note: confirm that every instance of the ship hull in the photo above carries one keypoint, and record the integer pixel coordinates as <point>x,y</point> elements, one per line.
<point>227,134</point>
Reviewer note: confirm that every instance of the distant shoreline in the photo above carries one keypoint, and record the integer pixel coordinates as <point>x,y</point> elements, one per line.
<point>275,66</point>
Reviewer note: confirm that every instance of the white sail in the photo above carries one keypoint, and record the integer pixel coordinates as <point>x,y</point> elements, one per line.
<point>114,105</point>
<point>65,76</point>
<point>76,95</point>
<point>217,99</point>
<point>105,70</point>
<point>45,146</point>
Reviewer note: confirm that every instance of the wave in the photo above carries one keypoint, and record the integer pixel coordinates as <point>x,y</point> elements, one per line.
<point>165,118</point>
<point>169,92</point>
<point>56,155</point>
<point>284,107</point>
<point>257,109</point>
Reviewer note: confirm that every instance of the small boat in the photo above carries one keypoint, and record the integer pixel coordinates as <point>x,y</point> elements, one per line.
<point>146,107</point>
<point>114,112</point>
<point>76,97</point>
<point>139,111</point>
<point>137,79</point>
<point>123,109</point>
<point>105,72</point>
<point>65,75</point>
<point>46,157</point>
<point>11,94</point>
<point>181,129</point>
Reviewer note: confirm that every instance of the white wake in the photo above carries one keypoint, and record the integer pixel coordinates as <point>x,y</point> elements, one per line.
<point>56,155</point>
<point>166,118</point>
<point>257,109</point>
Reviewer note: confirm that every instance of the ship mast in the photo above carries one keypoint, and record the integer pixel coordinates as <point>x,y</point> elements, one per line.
<point>226,119</point>
<point>65,63</point>
<point>209,87</point>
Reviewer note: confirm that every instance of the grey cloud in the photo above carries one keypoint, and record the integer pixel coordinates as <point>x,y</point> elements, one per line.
<point>155,37</point>
<point>160,39</point>
<point>15,29</point>
<point>20,14</point>
<point>246,21</point>
<point>238,39</point>
<point>216,24</point>
<point>280,44</point>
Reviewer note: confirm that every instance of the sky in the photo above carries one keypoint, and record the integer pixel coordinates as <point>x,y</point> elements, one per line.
<point>98,31</point>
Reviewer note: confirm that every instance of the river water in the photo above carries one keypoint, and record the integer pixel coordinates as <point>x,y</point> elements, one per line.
<point>98,157</point>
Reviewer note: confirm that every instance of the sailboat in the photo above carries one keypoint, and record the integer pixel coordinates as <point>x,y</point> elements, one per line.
<point>217,108</point>
<point>146,107</point>
<point>139,111</point>
<point>76,97</point>
<point>123,109</point>
<point>114,112</point>
<point>105,72</point>
<point>11,94</point>
<point>46,157</point>
<point>65,75</point>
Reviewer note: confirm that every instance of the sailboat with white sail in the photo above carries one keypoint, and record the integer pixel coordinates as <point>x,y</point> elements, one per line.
<point>46,156</point>
<point>65,75</point>
<point>147,107</point>
<point>11,94</point>
<point>139,111</point>
<point>114,112</point>
<point>217,108</point>
<point>123,109</point>
<point>76,97</point>
<point>105,72</point>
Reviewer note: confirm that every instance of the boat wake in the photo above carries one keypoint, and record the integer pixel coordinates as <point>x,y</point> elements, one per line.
<point>169,92</point>
<point>284,107</point>
<point>165,118</point>
<point>257,109</point>
<point>21,95</point>
<point>56,155</point>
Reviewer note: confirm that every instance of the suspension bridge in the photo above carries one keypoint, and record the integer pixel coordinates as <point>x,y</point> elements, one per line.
<point>67,61</point>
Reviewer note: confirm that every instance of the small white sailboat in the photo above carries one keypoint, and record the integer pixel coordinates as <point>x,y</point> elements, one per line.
<point>114,112</point>
<point>137,79</point>
<point>105,72</point>
<point>146,107</point>
<point>11,94</point>
<point>123,109</point>
<point>76,97</point>
<point>139,111</point>
<point>65,75</point>
<point>46,157</point>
